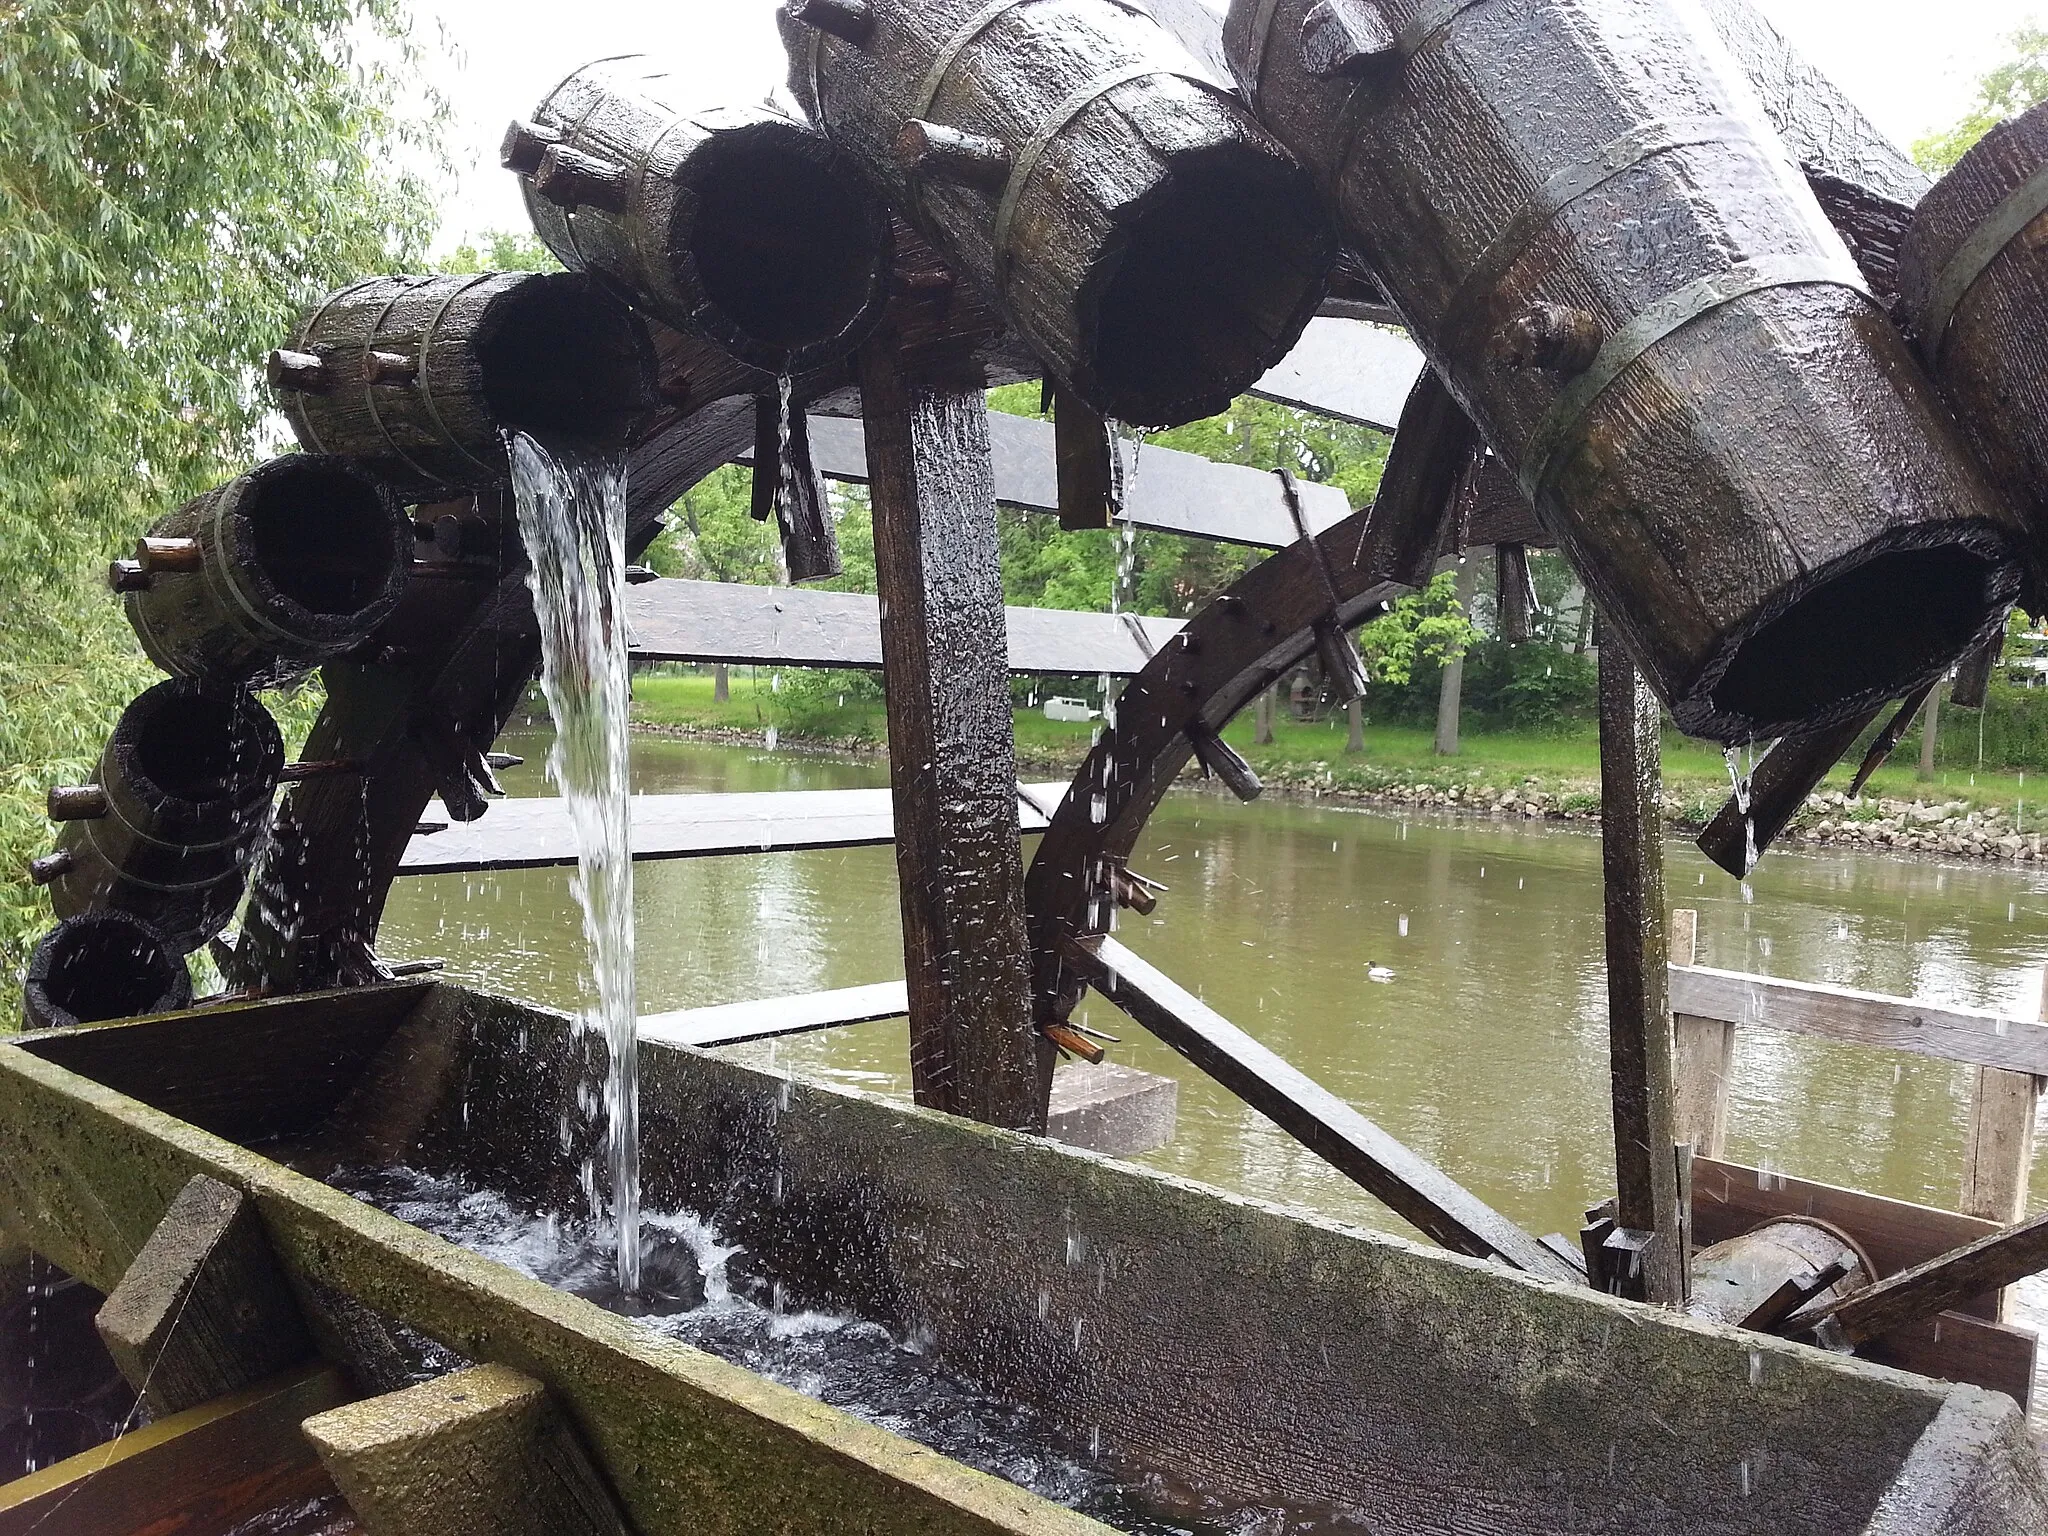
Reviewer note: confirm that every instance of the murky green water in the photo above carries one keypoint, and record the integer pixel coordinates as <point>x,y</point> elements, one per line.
<point>1486,1052</point>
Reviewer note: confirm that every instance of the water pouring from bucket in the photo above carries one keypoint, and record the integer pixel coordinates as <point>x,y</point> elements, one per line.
<point>572,517</point>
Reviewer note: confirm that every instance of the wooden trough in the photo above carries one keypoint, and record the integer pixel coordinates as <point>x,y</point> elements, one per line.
<point>1143,1313</point>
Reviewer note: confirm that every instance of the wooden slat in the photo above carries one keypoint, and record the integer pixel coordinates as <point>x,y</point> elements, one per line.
<point>1967,1035</point>
<point>1348,369</point>
<point>1172,492</point>
<point>1992,1262</point>
<point>797,627</point>
<point>535,834</point>
<point>1958,1347</point>
<point>773,1017</point>
<point>2000,1157</point>
<point>197,1473</point>
<point>1729,1198</point>
<point>1412,1187</point>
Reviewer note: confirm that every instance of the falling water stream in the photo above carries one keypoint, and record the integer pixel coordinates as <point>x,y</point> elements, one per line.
<point>572,516</point>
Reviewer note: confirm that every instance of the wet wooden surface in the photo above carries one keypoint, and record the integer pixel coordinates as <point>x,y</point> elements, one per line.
<point>791,626</point>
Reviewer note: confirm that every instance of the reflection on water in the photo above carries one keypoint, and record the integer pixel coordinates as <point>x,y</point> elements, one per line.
<point>1487,1049</point>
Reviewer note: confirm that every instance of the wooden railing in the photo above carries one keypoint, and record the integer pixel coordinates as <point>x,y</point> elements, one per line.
<point>2008,1055</point>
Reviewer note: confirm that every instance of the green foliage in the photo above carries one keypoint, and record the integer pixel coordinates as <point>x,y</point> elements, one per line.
<point>1429,626</point>
<point>179,182</point>
<point>500,250</point>
<point>2012,88</point>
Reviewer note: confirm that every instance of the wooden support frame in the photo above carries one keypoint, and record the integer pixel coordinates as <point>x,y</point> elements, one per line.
<point>213,1467</point>
<point>1998,1158</point>
<point>1651,1226</point>
<point>1414,1189</point>
<point>481,1452</point>
<point>1702,1058</point>
<point>973,1048</point>
<point>205,1310</point>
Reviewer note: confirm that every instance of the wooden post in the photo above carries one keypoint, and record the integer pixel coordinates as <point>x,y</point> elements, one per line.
<point>2000,1153</point>
<point>483,1452</point>
<point>973,1048</point>
<point>204,1311</point>
<point>1638,984</point>
<point>1354,744</point>
<point>1450,698</point>
<point>1703,1052</point>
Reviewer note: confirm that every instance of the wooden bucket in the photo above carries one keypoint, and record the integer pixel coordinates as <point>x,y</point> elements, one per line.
<point>1973,289</point>
<point>103,965</point>
<point>1156,247</point>
<point>258,582</point>
<point>738,224</point>
<point>1610,257</point>
<point>418,378</point>
<point>185,788</point>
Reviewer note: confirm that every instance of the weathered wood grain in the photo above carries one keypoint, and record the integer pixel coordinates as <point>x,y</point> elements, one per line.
<point>737,223</point>
<point>1413,1188</point>
<point>1973,1036</point>
<point>960,873</point>
<point>1152,242</point>
<point>1990,1263</point>
<point>1481,177</point>
<point>1737,836</point>
<point>1638,996</point>
<point>205,1311</point>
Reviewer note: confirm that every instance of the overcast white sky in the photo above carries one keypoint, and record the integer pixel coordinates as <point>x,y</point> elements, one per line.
<point>1910,65</point>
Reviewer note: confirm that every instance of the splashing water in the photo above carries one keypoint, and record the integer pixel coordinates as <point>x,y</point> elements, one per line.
<point>572,516</point>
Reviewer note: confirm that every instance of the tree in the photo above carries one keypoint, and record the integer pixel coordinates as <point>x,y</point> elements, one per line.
<point>180,180</point>
<point>2018,84</point>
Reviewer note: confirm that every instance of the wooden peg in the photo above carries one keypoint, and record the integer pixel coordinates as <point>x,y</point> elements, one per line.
<point>77,802</point>
<point>127,576</point>
<point>52,867</point>
<point>205,1310</point>
<point>299,773</point>
<point>394,370</point>
<point>569,178</point>
<point>1084,455</point>
<point>1342,665</point>
<point>301,373</point>
<point>951,154</point>
<point>851,21</point>
<point>1347,37</point>
<point>1074,1043</point>
<point>1220,760</point>
<point>524,145</point>
<point>175,555</point>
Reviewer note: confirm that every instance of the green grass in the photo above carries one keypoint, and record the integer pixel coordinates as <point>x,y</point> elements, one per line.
<point>1565,763</point>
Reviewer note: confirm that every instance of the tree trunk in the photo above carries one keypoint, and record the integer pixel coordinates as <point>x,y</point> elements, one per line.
<point>1930,733</point>
<point>1356,710</point>
<point>1262,722</point>
<point>1450,699</point>
<point>721,684</point>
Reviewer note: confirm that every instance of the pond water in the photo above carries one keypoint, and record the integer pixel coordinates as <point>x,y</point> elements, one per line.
<point>1486,1051</point>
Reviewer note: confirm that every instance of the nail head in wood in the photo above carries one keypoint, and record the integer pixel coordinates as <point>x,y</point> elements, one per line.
<point>77,802</point>
<point>851,21</point>
<point>569,178</point>
<point>1555,338</point>
<point>951,154</point>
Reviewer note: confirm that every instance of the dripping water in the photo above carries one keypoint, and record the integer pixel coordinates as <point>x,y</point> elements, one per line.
<point>785,478</point>
<point>1123,483</point>
<point>1739,776</point>
<point>572,517</point>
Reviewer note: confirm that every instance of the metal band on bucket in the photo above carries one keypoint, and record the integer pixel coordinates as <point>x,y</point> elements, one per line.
<point>1549,444</point>
<point>1987,242</point>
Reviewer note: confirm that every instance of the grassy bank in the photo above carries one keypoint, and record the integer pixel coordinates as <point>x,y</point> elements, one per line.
<point>1398,759</point>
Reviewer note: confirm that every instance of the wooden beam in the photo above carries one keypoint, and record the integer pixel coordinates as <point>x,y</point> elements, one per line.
<point>1167,491</point>
<point>716,621</point>
<point>1999,1157</point>
<point>1973,1036</point>
<point>1638,1001</point>
<point>205,1310</point>
<point>775,1017</point>
<point>535,834</point>
<point>481,1452</point>
<point>212,1468</point>
<point>1990,1263</point>
<point>1702,1058</point>
<point>1738,836</point>
<point>960,873</point>
<point>1413,1188</point>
